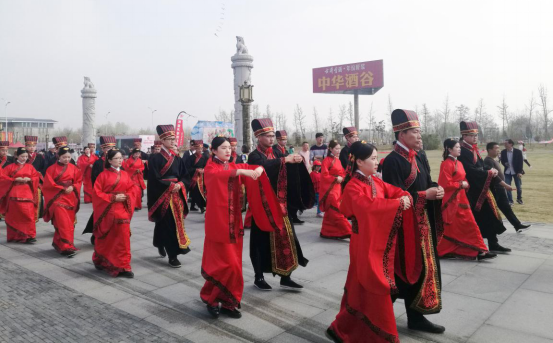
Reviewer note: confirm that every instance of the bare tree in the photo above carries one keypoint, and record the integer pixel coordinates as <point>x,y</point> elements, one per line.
<point>445,114</point>
<point>333,125</point>
<point>425,115</point>
<point>530,108</point>
<point>316,118</point>
<point>351,115</point>
<point>299,121</point>
<point>504,115</point>
<point>256,114</point>
<point>545,111</point>
<point>341,116</point>
<point>370,119</point>
<point>479,111</point>
<point>224,116</point>
<point>462,112</point>
<point>281,121</point>
<point>269,113</point>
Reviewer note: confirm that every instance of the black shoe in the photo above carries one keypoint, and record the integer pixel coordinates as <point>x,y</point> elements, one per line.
<point>332,336</point>
<point>297,221</point>
<point>231,313</point>
<point>174,262</point>
<point>426,326</point>
<point>520,202</point>
<point>202,210</point>
<point>137,209</point>
<point>193,209</point>
<point>498,249</point>
<point>30,241</point>
<point>523,228</point>
<point>98,267</point>
<point>128,275</point>
<point>214,311</point>
<point>511,203</point>
<point>261,284</point>
<point>92,239</point>
<point>161,251</point>
<point>69,254</point>
<point>286,282</point>
<point>486,256</point>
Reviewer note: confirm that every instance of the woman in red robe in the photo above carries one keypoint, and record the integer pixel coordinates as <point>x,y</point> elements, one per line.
<point>134,166</point>
<point>376,209</point>
<point>18,198</point>
<point>85,163</point>
<point>335,225</point>
<point>462,238</point>
<point>113,202</point>
<point>62,188</point>
<point>222,256</point>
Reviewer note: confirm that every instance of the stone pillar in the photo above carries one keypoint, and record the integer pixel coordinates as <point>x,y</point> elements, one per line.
<point>88,93</point>
<point>242,64</point>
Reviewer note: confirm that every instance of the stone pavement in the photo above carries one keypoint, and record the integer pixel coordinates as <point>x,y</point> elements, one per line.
<point>45,297</point>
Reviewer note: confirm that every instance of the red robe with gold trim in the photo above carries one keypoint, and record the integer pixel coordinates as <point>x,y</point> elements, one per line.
<point>222,256</point>
<point>135,168</point>
<point>85,164</point>
<point>112,248</point>
<point>462,237</point>
<point>61,207</point>
<point>335,225</point>
<point>366,312</point>
<point>19,201</point>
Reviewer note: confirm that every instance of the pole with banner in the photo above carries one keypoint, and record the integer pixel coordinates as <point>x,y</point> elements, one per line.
<point>179,129</point>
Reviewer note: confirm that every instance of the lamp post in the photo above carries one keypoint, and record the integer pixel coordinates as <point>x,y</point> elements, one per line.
<point>246,98</point>
<point>6,113</point>
<point>152,116</point>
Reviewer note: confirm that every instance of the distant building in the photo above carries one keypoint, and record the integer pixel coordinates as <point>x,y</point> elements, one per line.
<point>18,128</point>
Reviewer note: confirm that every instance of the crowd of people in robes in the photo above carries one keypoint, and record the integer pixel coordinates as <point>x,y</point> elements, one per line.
<point>398,220</point>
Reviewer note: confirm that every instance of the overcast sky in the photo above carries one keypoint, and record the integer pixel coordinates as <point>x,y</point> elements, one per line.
<point>165,55</point>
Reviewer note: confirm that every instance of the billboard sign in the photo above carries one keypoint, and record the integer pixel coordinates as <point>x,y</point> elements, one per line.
<point>361,78</point>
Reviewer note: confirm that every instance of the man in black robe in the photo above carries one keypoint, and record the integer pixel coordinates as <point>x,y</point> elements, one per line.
<point>167,198</point>
<point>106,143</point>
<point>351,136</point>
<point>405,169</point>
<point>481,178</point>
<point>291,182</point>
<point>195,165</point>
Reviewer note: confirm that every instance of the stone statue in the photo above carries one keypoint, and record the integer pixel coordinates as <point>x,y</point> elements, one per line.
<point>88,83</point>
<point>241,48</point>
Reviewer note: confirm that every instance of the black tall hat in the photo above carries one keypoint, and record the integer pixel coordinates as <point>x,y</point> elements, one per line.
<point>281,134</point>
<point>107,141</point>
<point>165,131</point>
<point>262,126</point>
<point>349,131</point>
<point>404,120</point>
<point>468,127</point>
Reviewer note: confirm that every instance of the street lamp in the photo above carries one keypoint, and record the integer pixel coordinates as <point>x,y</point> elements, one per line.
<point>6,113</point>
<point>246,98</point>
<point>152,115</point>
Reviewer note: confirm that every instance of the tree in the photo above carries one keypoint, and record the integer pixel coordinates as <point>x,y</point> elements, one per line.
<point>545,111</point>
<point>462,112</point>
<point>504,115</point>
<point>370,119</point>
<point>281,121</point>
<point>316,118</point>
<point>341,116</point>
<point>381,129</point>
<point>425,115</point>
<point>299,121</point>
<point>255,111</point>
<point>351,115</point>
<point>224,116</point>
<point>269,113</point>
<point>530,108</point>
<point>72,135</point>
<point>333,127</point>
<point>445,114</point>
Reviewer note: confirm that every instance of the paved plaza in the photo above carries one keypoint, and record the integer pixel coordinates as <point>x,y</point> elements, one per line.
<point>48,298</point>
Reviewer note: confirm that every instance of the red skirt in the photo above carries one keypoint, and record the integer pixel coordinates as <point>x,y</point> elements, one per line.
<point>20,221</point>
<point>335,225</point>
<point>63,219</point>
<point>222,270</point>
<point>112,248</point>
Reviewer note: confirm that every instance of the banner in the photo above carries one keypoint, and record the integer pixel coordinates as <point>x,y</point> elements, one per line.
<point>363,78</point>
<point>179,130</point>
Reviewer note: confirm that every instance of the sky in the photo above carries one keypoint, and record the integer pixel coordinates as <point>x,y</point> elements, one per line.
<point>164,55</point>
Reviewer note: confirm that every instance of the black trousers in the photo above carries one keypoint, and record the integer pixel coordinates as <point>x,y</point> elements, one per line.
<point>165,236</point>
<point>500,195</point>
